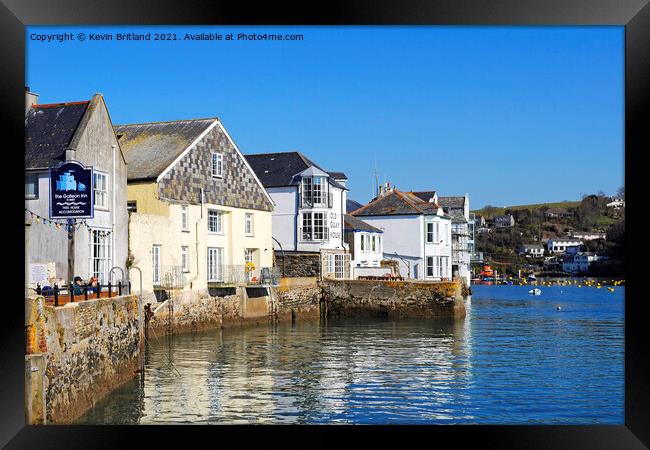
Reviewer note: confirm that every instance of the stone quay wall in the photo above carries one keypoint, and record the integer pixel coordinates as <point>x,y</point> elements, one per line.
<point>78,353</point>
<point>297,298</point>
<point>395,299</point>
<point>188,311</point>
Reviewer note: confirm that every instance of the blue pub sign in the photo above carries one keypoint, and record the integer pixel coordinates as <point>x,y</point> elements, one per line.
<point>71,191</point>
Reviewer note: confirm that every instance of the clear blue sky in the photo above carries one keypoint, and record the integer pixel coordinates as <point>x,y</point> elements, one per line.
<point>509,114</point>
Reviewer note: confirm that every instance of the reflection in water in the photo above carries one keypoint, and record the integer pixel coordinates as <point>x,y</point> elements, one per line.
<point>513,359</point>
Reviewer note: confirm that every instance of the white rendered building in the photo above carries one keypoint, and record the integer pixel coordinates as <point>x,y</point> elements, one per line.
<point>417,233</point>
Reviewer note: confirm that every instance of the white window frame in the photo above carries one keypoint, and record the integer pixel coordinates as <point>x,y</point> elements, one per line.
<point>314,226</point>
<point>214,264</point>
<point>184,218</point>
<point>430,233</point>
<point>248,224</point>
<point>100,193</point>
<point>185,258</point>
<point>430,266</point>
<point>99,254</point>
<point>218,229</point>
<point>216,164</point>
<point>339,266</point>
<point>156,263</point>
<point>31,178</point>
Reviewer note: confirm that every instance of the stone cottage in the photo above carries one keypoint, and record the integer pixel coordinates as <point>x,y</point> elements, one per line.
<point>80,131</point>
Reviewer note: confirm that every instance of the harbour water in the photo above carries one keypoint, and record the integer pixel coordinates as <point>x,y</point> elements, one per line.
<point>514,359</point>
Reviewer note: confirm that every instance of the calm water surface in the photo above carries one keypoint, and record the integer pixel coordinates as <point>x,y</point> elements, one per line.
<point>514,359</point>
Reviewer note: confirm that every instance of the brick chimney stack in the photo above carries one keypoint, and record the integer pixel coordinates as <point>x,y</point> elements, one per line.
<point>30,99</point>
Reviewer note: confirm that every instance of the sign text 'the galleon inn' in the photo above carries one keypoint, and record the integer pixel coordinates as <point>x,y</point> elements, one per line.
<point>71,191</point>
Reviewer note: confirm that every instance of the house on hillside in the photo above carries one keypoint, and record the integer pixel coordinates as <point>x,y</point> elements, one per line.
<point>417,233</point>
<point>532,250</point>
<point>503,221</point>
<point>557,213</point>
<point>579,262</point>
<point>587,235</point>
<point>81,131</point>
<point>199,216</point>
<point>462,242</point>
<point>308,225</point>
<point>560,245</point>
<point>616,203</point>
<point>366,247</point>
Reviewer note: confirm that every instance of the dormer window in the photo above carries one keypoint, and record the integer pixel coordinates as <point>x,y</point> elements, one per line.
<point>314,191</point>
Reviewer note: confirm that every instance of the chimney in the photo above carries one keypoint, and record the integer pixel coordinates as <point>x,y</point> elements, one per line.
<point>30,99</point>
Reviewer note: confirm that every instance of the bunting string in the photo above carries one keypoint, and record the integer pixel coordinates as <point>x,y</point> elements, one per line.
<point>33,217</point>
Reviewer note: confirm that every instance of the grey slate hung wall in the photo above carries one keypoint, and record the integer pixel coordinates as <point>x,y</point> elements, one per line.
<point>237,188</point>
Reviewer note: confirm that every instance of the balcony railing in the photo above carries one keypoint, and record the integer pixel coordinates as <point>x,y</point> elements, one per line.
<point>313,235</point>
<point>170,277</point>
<point>242,274</point>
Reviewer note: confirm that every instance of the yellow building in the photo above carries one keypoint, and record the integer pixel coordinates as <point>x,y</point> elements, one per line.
<point>198,215</point>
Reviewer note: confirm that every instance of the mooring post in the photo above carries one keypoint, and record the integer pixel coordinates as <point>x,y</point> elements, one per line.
<point>71,291</point>
<point>56,294</point>
<point>109,289</point>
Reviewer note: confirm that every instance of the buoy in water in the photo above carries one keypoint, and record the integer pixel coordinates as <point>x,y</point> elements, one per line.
<point>559,308</point>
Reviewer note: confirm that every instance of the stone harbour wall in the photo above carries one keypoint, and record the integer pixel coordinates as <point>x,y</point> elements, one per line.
<point>297,298</point>
<point>395,299</point>
<point>188,311</point>
<point>195,310</point>
<point>78,353</point>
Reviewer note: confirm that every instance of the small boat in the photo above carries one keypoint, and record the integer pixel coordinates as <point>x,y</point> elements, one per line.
<point>531,277</point>
<point>535,291</point>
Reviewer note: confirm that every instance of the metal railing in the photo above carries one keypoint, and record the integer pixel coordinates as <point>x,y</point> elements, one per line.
<point>242,274</point>
<point>78,292</point>
<point>171,277</point>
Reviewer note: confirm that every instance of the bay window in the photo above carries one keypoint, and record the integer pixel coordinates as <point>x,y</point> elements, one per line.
<point>313,227</point>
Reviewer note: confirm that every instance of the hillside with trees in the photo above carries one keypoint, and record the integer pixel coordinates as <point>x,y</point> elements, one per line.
<point>535,224</point>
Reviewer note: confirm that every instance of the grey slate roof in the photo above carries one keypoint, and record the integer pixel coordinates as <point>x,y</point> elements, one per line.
<point>354,224</point>
<point>338,175</point>
<point>49,128</point>
<point>452,202</point>
<point>149,148</point>
<point>352,205</point>
<point>396,202</point>
<point>278,169</point>
<point>424,195</point>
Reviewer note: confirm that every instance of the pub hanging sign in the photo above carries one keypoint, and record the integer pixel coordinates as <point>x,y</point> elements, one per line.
<point>71,191</point>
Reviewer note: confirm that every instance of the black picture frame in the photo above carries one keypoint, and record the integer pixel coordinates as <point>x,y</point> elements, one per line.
<point>633,14</point>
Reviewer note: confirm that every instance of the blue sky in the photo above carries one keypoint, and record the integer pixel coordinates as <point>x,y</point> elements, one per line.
<point>510,115</point>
